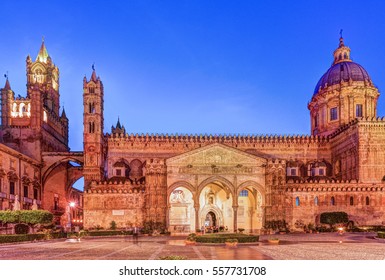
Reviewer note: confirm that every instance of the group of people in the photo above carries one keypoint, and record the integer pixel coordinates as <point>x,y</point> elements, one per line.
<point>213,229</point>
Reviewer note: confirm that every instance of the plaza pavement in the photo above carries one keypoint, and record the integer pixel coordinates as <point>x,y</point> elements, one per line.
<point>323,246</point>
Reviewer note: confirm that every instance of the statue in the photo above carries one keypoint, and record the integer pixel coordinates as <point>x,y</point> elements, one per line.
<point>16,205</point>
<point>34,205</point>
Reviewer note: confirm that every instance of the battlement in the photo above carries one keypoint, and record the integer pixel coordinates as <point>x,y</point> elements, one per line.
<point>303,139</point>
<point>365,121</point>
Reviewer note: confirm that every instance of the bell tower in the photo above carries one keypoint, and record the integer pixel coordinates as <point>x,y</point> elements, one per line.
<point>93,125</point>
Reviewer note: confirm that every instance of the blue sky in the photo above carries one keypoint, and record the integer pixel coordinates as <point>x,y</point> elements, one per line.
<point>247,67</point>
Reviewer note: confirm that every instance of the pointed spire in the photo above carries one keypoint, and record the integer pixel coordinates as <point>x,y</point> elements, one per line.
<point>118,124</point>
<point>7,84</point>
<point>342,53</point>
<point>63,114</point>
<point>93,76</point>
<point>43,54</point>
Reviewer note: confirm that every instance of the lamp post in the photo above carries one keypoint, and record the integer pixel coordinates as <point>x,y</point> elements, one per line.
<point>69,216</point>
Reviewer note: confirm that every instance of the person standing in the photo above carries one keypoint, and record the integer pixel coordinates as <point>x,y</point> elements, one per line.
<point>135,234</point>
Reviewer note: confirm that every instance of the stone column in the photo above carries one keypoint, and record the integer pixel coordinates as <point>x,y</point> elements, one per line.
<point>197,225</point>
<point>235,218</point>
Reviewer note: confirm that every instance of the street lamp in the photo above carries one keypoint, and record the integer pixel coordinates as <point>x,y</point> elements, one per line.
<point>69,216</point>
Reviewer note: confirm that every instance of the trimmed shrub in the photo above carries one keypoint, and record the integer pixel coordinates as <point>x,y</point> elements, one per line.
<point>381,234</point>
<point>221,238</point>
<point>21,237</point>
<point>109,232</point>
<point>21,229</point>
<point>31,217</point>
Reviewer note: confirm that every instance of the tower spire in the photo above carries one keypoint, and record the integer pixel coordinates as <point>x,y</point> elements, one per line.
<point>7,84</point>
<point>43,54</point>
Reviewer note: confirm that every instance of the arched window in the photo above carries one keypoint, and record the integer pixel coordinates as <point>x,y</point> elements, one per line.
<point>91,127</point>
<point>367,201</point>
<point>297,201</point>
<point>244,193</point>
<point>351,201</point>
<point>332,201</point>
<point>316,201</point>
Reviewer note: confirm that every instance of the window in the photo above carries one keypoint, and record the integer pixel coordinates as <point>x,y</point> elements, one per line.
<point>1,184</point>
<point>334,114</point>
<point>244,193</point>
<point>358,110</point>
<point>118,172</point>
<point>332,201</point>
<point>56,203</point>
<point>367,201</point>
<point>91,89</point>
<point>91,127</point>
<point>321,172</point>
<point>293,172</point>
<point>316,120</point>
<point>297,202</point>
<point>316,201</point>
<point>11,187</point>
<point>25,191</point>
<point>36,193</point>
<point>351,201</point>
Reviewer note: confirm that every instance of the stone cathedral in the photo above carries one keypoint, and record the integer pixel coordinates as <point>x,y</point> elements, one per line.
<point>187,182</point>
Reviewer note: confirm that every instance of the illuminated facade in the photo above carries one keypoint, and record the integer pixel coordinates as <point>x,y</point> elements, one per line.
<point>35,161</point>
<point>186,182</point>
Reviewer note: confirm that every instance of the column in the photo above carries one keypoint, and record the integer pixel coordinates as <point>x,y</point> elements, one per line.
<point>235,221</point>
<point>197,225</point>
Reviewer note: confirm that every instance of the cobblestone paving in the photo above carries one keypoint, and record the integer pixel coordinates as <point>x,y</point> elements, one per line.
<point>328,246</point>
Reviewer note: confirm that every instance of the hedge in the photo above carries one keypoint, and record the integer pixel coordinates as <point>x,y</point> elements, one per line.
<point>221,238</point>
<point>31,217</point>
<point>108,232</point>
<point>381,234</point>
<point>21,237</point>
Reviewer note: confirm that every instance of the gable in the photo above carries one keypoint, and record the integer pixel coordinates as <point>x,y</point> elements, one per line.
<point>215,155</point>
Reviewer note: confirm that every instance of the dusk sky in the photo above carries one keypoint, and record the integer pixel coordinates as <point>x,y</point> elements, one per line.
<point>193,67</point>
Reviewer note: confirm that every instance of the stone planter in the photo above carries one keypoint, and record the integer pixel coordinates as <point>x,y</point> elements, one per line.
<point>190,242</point>
<point>231,244</point>
<point>273,241</point>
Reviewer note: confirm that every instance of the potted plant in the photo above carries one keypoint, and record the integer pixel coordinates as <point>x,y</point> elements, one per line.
<point>273,240</point>
<point>231,242</point>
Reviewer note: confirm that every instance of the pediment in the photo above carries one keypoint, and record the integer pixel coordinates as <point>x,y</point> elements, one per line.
<point>216,155</point>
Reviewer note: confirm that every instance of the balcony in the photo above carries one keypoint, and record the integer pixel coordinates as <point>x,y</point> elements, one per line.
<point>58,211</point>
<point>3,195</point>
<point>27,200</point>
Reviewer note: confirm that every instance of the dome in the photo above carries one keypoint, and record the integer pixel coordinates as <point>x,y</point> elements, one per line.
<point>342,72</point>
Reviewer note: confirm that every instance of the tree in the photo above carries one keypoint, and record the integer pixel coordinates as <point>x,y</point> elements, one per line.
<point>332,218</point>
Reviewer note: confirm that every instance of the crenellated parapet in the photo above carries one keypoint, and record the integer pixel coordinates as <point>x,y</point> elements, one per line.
<point>223,139</point>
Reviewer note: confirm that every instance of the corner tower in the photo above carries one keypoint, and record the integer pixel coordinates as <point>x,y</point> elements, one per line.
<point>345,92</point>
<point>33,124</point>
<point>93,125</point>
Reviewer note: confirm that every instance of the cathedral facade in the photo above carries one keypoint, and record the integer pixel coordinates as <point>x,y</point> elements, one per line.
<point>187,182</point>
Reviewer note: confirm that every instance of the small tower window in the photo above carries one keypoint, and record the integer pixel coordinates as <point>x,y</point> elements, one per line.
<point>333,113</point>
<point>91,90</point>
<point>367,201</point>
<point>351,201</point>
<point>333,201</point>
<point>316,201</point>
<point>91,127</point>
<point>297,201</point>
<point>358,110</point>
<point>91,108</point>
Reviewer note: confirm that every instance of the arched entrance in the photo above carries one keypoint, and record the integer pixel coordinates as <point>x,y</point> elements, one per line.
<point>211,219</point>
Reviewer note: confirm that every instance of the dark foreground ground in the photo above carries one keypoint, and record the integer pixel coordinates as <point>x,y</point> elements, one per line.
<point>324,246</point>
